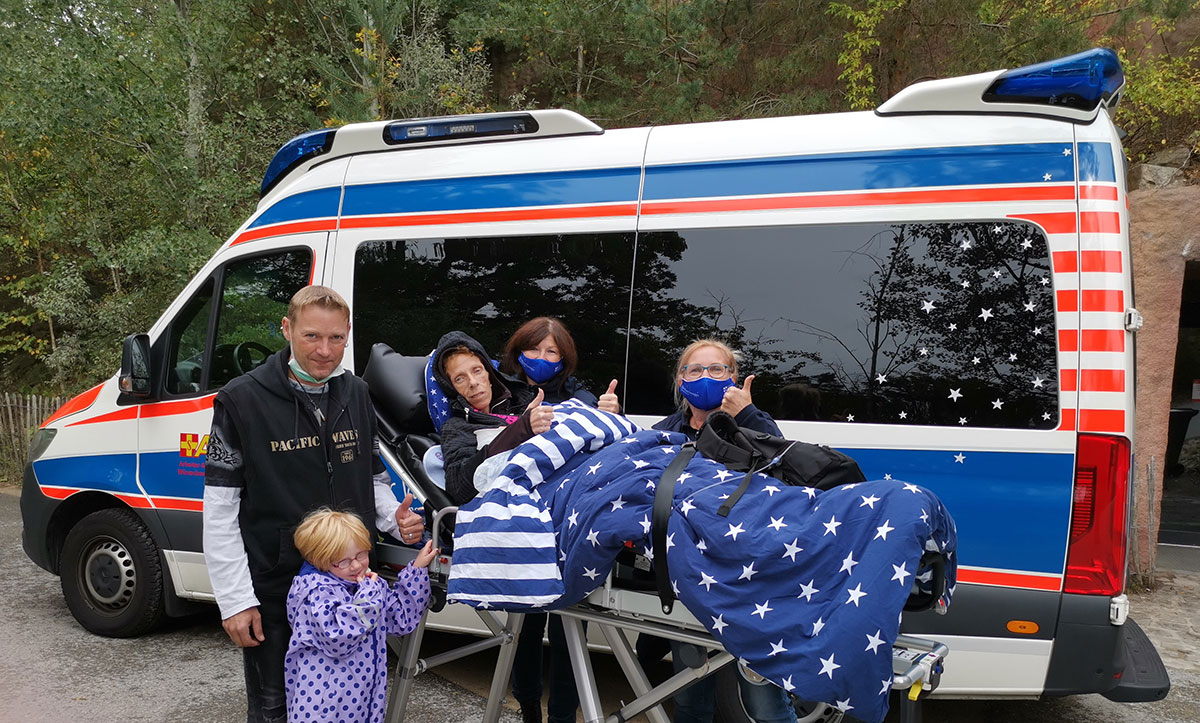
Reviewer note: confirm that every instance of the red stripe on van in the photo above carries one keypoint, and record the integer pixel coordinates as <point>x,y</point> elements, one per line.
<point>1067,300</point>
<point>1068,340</point>
<point>1102,380</point>
<point>880,198</point>
<point>76,404</point>
<point>134,501</point>
<point>183,407</point>
<point>1009,579</point>
<point>323,224</point>
<point>1100,222</point>
<point>117,416</point>
<point>1102,261</point>
<point>1099,193</point>
<point>1068,380</point>
<point>1102,420</point>
<point>1065,262</point>
<point>1050,222</point>
<point>62,493</point>
<point>1068,420</point>
<point>1103,300</point>
<point>1103,340</point>
<point>523,214</point>
<point>173,503</point>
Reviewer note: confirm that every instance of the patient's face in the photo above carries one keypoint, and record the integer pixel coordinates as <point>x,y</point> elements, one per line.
<point>470,379</point>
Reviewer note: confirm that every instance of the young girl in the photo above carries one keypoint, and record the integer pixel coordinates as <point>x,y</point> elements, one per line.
<point>341,614</point>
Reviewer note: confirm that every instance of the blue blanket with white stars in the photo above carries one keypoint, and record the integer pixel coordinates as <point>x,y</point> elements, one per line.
<point>806,586</point>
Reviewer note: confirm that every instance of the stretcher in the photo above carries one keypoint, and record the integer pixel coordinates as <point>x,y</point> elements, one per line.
<point>618,613</point>
<point>618,609</point>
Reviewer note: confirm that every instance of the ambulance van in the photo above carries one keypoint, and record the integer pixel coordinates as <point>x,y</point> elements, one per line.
<point>939,287</point>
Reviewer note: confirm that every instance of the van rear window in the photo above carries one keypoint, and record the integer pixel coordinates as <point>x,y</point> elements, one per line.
<point>947,324</point>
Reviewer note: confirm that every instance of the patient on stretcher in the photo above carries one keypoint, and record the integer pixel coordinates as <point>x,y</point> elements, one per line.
<point>807,586</point>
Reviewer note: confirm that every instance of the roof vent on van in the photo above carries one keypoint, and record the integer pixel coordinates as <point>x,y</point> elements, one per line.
<point>296,151</point>
<point>1072,88</point>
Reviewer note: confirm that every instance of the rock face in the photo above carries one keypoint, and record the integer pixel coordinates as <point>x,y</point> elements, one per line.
<point>1164,234</point>
<point>1146,176</point>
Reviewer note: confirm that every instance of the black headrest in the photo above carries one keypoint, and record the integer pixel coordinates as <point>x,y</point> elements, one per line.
<point>397,385</point>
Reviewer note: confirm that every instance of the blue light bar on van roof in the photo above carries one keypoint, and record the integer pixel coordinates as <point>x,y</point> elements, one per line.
<point>294,152</point>
<point>1081,81</point>
<point>450,129</point>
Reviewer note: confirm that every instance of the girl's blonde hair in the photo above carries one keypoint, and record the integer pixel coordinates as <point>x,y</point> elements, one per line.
<point>731,358</point>
<point>324,535</point>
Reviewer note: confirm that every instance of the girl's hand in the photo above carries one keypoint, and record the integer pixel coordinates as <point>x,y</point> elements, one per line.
<point>737,399</point>
<point>367,575</point>
<point>608,400</point>
<point>426,555</point>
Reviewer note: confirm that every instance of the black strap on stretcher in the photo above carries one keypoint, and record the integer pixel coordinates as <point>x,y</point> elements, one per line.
<point>664,498</point>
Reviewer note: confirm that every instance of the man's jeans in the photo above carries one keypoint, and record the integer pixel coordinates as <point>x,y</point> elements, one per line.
<point>266,697</point>
<point>766,703</point>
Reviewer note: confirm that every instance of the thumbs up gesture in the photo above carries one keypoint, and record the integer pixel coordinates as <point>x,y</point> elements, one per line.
<point>608,400</point>
<point>410,523</point>
<point>737,399</point>
<point>540,417</point>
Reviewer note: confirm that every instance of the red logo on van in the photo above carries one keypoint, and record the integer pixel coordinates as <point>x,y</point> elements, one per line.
<point>192,445</point>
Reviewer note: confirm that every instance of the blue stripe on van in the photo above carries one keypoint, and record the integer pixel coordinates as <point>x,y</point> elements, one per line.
<point>1012,509</point>
<point>1096,163</point>
<point>1026,163</point>
<point>170,474</point>
<point>108,472</point>
<point>320,203</point>
<point>606,185</point>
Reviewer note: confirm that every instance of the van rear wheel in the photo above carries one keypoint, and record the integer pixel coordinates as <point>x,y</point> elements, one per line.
<point>112,576</point>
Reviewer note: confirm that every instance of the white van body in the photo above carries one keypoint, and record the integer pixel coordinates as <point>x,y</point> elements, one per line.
<point>752,200</point>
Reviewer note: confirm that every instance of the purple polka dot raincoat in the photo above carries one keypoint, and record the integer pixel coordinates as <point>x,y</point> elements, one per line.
<point>336,665</point>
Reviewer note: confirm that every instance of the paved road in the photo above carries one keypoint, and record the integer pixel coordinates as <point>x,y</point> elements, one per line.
<point>52,671</point>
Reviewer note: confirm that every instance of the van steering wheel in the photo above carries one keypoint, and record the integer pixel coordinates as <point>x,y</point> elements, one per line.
<point>243,355</point>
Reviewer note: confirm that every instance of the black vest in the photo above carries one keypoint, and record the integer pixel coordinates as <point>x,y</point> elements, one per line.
<point>293,465</point>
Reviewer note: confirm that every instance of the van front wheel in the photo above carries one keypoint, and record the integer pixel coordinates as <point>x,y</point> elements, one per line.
<point>111,575</point>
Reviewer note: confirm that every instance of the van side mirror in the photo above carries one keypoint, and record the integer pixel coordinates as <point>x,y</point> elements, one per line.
<point>135,366</point>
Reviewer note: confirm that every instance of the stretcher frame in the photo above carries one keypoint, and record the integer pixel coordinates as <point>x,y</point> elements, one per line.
<point>617,612</point>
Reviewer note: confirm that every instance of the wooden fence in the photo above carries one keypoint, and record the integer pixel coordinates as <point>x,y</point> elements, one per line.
<point>20,416</point>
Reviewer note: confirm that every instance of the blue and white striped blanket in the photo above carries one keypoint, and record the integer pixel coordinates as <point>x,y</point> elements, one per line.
<point>806,586</point>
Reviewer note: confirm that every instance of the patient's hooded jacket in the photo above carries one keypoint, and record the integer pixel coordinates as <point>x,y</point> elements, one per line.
<point>336,665</point>
<point>510,397</point>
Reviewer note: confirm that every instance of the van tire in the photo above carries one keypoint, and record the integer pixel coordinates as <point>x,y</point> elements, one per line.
<point>729,709</point>
<point>112,576</point>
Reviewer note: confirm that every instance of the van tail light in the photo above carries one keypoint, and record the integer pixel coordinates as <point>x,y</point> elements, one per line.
<point>1096,552</point>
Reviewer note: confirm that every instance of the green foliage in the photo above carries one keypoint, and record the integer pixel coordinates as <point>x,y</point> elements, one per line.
<point>133,133</point>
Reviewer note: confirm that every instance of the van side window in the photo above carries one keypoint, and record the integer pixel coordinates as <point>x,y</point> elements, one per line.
<point>933,323</point>
<point>189,343</point>
<point>254,296</point>
<point>408,293</point>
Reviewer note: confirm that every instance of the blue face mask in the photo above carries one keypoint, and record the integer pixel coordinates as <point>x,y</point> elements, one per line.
<point>539,370</point>
<point>705,393</point>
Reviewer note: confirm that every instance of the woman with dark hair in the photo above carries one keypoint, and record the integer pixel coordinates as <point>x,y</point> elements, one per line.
<point>541,352</point>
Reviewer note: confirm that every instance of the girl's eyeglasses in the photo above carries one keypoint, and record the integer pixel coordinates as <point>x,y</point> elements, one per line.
<point>361,557</point>
<point>692,372</point>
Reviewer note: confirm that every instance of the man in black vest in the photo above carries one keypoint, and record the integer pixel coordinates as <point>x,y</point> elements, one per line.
<point>288,437</point>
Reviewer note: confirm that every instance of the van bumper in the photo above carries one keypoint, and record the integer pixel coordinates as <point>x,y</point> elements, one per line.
<point>36,511</point>
<point>1122,664</point>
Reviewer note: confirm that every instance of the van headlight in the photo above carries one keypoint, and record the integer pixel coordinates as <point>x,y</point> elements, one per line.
<point>41,440</point>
